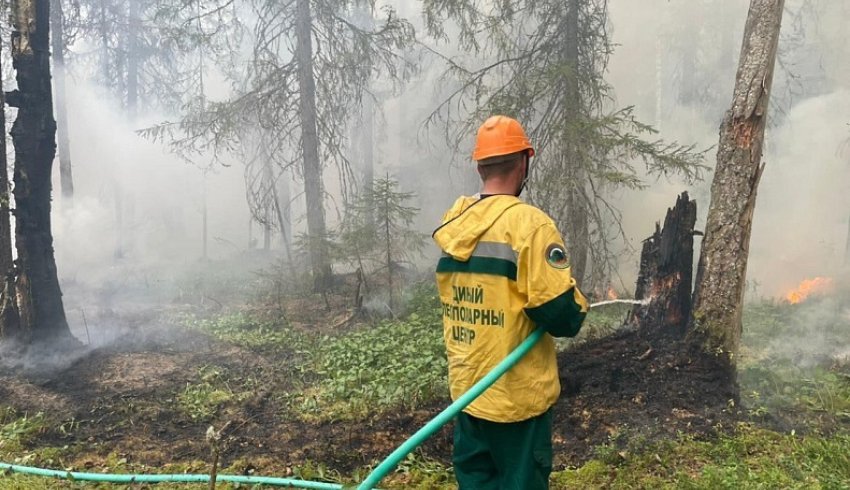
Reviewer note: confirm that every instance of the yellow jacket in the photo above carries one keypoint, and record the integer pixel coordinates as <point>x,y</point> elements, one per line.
<point>504,271</point>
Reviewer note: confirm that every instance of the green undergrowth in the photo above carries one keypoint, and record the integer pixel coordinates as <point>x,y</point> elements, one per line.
<point>383,364</point>
<point>749,458</point>
<point>794,362</point>
<point>17,429</point>
<point>788,372</point>
<point>398,363</point>
<point>391,364</point>
<point>203,399</point>
<point>254,332</point>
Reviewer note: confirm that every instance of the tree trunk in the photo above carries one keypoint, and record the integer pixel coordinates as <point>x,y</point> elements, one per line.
<point>104,43</point>
<point>387,242</point>
<point>283,219</point>
<point>133,59</point>
<point>9,319</point>
<point>118,201</point>
<point>33,134</point>
<point>367,120</point>
<point>578,234</point>
<point>312,168</point>
<point>268,193</point>
<point>847,246</point>
<point>666,273</point>
<point>204,219</point>
<point>57,22</point>
<point>721,274</point>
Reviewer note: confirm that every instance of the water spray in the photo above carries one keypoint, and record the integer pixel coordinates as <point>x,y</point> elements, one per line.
<point>642,302</point>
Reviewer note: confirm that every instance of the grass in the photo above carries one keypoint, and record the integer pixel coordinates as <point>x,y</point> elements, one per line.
<point>17,429</point>
<point>388,364</point>
<point>395,364</point>
<point>784,371</point>
<point>749,458</point>
<point>202,400</point>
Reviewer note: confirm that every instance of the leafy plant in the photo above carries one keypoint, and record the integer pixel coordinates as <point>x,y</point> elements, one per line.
<point>201,401</point>
<point>19,429</point>
<point>392,364</point>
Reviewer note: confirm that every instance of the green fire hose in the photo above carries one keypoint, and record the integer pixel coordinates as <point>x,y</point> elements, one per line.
<point>450,412</point>
<point>368,484</point>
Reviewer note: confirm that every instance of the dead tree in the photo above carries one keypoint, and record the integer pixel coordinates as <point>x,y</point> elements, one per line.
<point>39,298</point>
<point>722,266</point>
<point>666,273</point>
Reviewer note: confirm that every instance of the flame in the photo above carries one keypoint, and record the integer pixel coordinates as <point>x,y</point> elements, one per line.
<point>612,294</point>
<point>809,287</point>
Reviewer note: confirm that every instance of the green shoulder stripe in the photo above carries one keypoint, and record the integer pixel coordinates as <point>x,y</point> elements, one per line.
<point>561,316</point>
<point>479,265</point>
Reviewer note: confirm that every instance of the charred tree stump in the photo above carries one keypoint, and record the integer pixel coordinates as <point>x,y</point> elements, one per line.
<point>666,271</point>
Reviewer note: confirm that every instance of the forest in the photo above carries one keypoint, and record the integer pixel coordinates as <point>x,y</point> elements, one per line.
<point>216,222</point>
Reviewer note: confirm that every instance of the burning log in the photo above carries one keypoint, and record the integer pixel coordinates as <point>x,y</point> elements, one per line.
<point>666,271</point>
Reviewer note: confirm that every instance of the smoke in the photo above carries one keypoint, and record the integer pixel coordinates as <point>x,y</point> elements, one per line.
<point>137,218</point>
<point>680,77</point>
<point>814,333</point>
<point>133,199</point>
<point>801,218</point>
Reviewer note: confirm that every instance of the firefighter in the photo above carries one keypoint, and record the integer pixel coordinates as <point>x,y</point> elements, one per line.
<point>504,271</point>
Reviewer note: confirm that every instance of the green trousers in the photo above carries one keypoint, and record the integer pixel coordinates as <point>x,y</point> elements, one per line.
<point>503,456</point>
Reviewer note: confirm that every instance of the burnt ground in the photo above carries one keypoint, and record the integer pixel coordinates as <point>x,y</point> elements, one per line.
<point>631,386</point>
<point>117,402</point>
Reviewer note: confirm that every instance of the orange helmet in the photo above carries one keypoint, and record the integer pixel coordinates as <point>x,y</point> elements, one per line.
<point>498,136</point>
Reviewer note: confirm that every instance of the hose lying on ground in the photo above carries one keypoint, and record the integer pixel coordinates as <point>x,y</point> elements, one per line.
<point>371,480</point>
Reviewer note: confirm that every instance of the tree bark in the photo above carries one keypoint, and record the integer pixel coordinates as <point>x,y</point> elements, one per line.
<point>33,135</point>
<point>721,274</point>
<point>666,272</point>
<point>578,233</point>
<point>312,168</point>
<point>9,319</point>
<point>57,22</point>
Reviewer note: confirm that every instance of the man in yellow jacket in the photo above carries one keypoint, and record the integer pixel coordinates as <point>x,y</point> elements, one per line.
<point>504,271</point>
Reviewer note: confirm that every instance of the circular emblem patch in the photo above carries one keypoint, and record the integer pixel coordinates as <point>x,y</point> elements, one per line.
<point>556,256</point>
